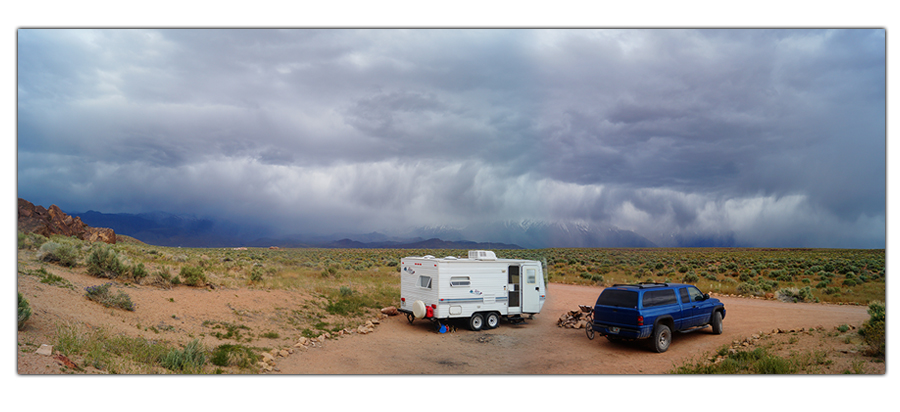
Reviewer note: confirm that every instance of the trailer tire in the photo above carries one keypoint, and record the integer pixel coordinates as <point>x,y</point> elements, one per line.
<point>491,320</point>
<point>476,322</point>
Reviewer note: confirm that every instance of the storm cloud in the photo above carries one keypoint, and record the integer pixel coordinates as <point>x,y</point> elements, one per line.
<point>766,137</point>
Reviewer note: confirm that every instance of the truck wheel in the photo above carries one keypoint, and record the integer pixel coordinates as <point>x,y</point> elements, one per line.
<point>662,338</point>
<point>476,322</point>
<point>492,320</point>
<point>717,323</point>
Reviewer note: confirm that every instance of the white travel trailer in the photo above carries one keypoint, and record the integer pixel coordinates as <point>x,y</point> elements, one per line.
<point>481,288</point>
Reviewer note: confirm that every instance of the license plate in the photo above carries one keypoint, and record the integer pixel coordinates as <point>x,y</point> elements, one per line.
<point>613,330</point>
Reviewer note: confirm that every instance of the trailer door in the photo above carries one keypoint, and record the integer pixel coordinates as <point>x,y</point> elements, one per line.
<point>514,290</point>
<point>531,290</point>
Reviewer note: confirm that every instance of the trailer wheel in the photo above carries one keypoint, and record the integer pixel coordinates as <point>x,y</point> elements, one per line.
<point>476,322</point>
<point>410,317</point>
<point>492,320</point>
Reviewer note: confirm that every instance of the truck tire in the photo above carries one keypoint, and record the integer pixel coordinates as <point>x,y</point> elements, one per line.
<point>716,323</point>
<point>476,322</point>
<point>662,338</point>
<point>491,320</point>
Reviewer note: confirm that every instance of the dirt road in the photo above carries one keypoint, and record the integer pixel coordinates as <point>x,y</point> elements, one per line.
<point>540,347</point>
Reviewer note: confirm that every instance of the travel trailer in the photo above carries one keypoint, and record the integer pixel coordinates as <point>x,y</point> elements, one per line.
<point>480,288</point>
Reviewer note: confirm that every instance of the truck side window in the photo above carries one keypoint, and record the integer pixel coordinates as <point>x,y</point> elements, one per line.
<point>659,298</point>
<point>684,295</point>
<point>460,281</point>
<point>425,281</point>
<point>695,294</point>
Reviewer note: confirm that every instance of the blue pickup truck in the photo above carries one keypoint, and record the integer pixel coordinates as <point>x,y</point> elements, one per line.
<point>654,310</point>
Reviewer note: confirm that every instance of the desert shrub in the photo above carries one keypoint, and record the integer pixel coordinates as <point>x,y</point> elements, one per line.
<point>139,271</point>
<point>233,355</point>
<point>59,253</point>
<point>31,240</point>
<point>690,278</point>
<point>256,274</point>
<point>192,276</point>
<point>190,359</point>
<point>24,311</point>
<point>873,329</point>
<point>748,288</point>
<point>744,277</point>
<point>832,291</point>
<point>849,282</point>
<point>102,295</point>
<point>591,276</point>
<point>795,295</point>
<point>103,262</point>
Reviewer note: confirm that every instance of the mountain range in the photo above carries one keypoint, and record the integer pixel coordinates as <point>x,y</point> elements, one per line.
<point>165,229</point>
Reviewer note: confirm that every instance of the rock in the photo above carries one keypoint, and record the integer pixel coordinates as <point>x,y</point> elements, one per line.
<point>283,353</point>
<point>45,350</point>
<point>63,360</point>
<point>303,341</point>
<point>376,321</point>
<point>390,311</point>
<point>268,358</point>
<point>36,219</point>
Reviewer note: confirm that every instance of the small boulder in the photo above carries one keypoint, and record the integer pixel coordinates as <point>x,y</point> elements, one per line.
<point>45,350</point>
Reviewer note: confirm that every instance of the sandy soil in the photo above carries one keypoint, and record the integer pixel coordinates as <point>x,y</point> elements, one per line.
<point>541,347</point>
<point>396,347</point>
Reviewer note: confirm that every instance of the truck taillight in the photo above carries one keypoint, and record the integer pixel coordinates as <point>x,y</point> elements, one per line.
<point>640,321</point>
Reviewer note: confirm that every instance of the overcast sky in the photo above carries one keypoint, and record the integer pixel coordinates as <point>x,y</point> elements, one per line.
<point>775,137</point>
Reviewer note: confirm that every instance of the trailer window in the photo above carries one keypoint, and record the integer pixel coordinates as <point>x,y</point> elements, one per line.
<point>425,281</point>
<point>530,276</point>
<point>460,281</point>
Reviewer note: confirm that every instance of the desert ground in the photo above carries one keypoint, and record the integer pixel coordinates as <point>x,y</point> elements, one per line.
<point>537,347</point>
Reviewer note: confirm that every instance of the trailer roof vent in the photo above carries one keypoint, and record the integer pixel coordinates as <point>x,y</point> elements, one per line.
<point>482,255</point>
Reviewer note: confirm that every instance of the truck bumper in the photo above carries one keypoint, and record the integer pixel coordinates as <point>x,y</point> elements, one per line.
<point>624,333</point>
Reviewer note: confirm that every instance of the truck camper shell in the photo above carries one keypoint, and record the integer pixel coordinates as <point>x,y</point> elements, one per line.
<point>480,288</point>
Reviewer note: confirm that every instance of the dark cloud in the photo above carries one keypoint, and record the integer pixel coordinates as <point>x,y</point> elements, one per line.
<point>690,134</point>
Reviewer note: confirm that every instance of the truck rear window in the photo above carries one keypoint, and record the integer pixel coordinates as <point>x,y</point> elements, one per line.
<point>618,297</point>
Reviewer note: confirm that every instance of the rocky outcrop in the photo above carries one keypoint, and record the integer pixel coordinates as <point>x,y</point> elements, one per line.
<point>53,221</point>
